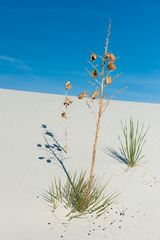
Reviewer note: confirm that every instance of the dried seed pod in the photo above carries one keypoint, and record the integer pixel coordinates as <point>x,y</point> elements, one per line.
<point>93,57</point>
<point>95,94</point>
<point>82,95</point>
<point>106,55</point>
<point>63,114</point>
<point>94,74</point>
<point>112,57</point>
<point>111,66</point>
<point>67,101</point>
<point>108,80</point>
<point>68,86</point>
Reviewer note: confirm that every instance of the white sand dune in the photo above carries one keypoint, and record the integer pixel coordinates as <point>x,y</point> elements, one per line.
<point>25,215</point>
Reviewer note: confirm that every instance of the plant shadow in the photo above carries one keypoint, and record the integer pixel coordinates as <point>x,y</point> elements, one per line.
<point>116,155</point>
<point>51,145</point>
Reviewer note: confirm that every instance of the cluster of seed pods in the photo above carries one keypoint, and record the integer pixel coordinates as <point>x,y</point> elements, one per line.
<point>109,59</point>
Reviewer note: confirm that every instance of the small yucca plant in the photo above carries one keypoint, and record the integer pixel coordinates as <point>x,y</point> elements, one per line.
<point>134,138</point>
<point>75,199</point>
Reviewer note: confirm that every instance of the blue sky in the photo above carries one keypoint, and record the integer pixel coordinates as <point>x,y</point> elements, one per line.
<point>45,43</point>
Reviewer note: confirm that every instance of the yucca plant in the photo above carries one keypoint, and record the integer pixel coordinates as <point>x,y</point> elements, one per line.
<point>134,138</point>
<point>73,192</point>
<point>97,202</point>
<point>81,194</point>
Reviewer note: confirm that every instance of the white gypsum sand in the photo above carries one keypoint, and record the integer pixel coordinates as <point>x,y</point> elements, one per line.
<point>24,214</point>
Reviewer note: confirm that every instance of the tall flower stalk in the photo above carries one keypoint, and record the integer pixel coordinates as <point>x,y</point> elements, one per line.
<point>67,102</point>
<point>101,77</point>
